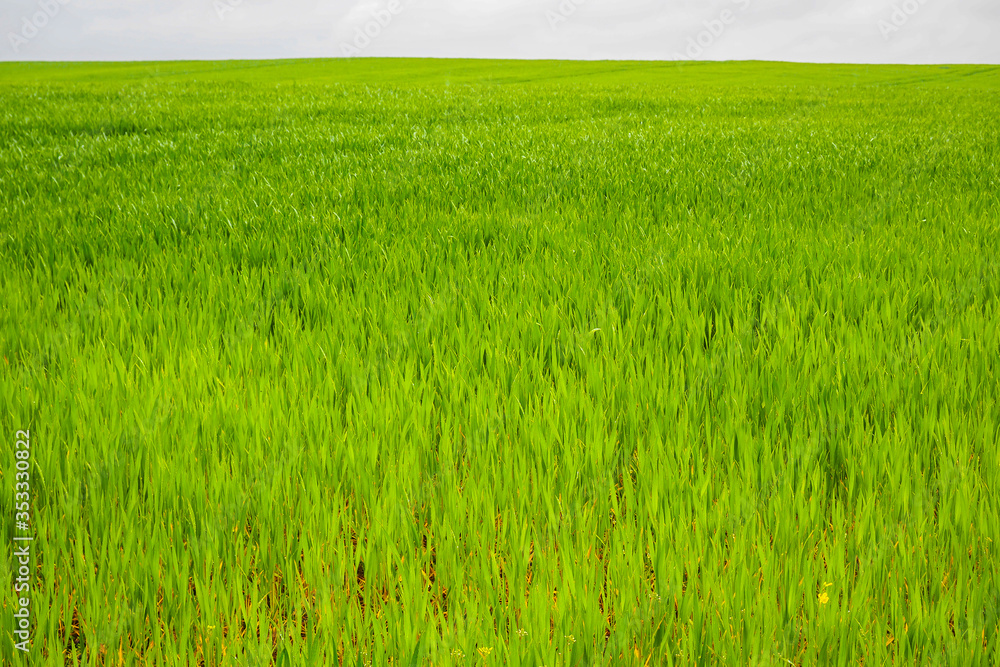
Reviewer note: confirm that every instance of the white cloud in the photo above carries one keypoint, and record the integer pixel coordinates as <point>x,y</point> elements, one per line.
<point>935,31</point>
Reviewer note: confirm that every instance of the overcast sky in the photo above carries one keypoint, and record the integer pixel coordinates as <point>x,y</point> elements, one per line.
<point>849,31</point>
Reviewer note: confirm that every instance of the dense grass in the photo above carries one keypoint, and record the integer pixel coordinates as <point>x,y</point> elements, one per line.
<point>535,363</point>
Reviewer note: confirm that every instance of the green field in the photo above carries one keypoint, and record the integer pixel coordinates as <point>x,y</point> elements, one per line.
<point>502,363</point>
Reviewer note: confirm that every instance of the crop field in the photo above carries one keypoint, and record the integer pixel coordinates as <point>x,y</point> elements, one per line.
<point>442,362</point>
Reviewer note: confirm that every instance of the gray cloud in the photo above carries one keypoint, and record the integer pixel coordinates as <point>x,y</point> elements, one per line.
<point>851,31</point>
